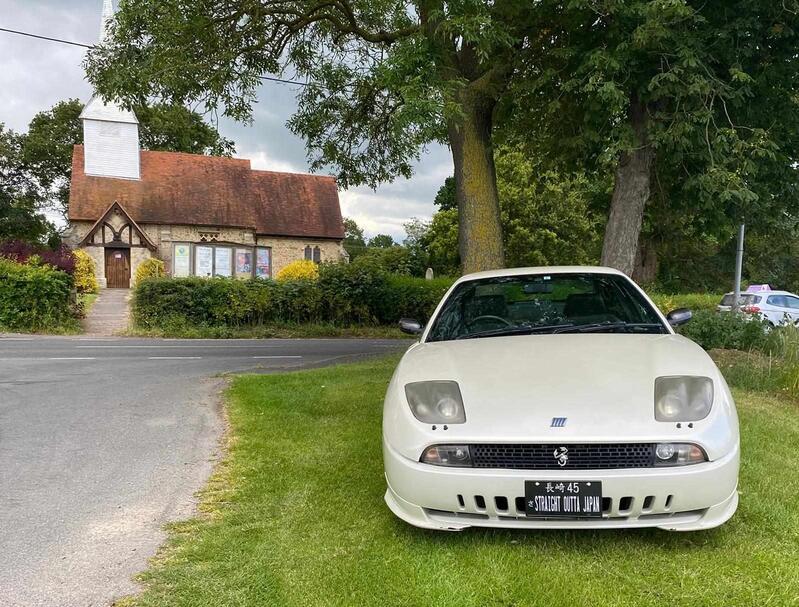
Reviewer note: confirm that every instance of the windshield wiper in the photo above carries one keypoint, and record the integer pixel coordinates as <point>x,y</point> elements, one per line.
<point>602,326</point>
<point>514,331</point>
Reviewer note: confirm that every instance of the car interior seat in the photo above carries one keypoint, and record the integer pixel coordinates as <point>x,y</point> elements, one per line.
<point>587,307</point>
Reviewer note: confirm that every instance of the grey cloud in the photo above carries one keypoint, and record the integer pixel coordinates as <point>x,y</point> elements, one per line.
<point>37,74</point>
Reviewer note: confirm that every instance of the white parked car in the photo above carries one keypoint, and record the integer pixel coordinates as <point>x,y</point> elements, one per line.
<point>744,300</point>
<point>777,307</point>
<point>557,397</point>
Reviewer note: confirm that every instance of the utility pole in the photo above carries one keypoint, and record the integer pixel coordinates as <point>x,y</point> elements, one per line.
<point>739,258</point>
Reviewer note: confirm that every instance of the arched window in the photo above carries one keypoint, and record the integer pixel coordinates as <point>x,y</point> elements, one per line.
<point>308,253</point>
<point>317,255</point>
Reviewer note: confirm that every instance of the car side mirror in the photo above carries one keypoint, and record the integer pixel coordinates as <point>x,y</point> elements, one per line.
<point>680,316</point>
<point>410,326</point>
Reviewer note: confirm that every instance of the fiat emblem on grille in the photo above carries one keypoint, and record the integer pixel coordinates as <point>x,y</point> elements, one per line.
<point>558,422</point>
<point>562,455</point>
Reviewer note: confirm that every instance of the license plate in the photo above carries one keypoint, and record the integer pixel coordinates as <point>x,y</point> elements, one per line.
<point>563,499</point>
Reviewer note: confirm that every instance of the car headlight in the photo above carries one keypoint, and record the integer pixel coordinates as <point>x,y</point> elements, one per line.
<point>447,455</point>
<point>678,454</point>
<point>683,398</point>
<point>436,402</point>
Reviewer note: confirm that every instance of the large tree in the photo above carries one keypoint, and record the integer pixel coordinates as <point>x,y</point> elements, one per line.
<point>381,241</point>
<point>46,149</point>
<point>384,78</point>
<point>20,218</point>
<point>354,242</point>
<point>548,216</point>
<point>676,98</point>
<point>434,244</point>
<point>446,198</point>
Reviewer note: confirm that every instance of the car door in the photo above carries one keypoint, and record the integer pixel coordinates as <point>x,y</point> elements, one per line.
<point>777,312</point>
<point>792,303</point>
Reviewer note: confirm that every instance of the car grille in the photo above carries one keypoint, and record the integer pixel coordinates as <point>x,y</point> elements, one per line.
<point>605,456</point>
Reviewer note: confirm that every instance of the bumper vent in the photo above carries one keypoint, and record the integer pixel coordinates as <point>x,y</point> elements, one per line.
<point>607,456</point>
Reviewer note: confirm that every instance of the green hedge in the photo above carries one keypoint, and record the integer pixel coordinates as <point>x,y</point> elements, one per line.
<point>712,330</point>
<point>343,294</point>
<point>34,297</point>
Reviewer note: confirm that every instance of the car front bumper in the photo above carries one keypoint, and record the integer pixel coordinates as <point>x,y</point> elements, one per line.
<point>690,498</point>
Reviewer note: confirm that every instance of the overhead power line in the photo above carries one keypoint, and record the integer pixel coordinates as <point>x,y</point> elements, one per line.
<point>48,38</point>
<point>273,79</point>
<point>70,42</point>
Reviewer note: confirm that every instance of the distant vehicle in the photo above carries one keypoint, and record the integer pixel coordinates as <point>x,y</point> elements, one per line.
<point>777,307</point>
<point>744,300</point>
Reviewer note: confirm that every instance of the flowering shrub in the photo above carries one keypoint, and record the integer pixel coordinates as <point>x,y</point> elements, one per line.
<point>21,251</point>
<point>149,268</point>
<point>302,269</point>
<point>85,278</point>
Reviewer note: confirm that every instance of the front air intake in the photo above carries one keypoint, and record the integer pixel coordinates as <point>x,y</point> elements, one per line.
<point>564,456</point>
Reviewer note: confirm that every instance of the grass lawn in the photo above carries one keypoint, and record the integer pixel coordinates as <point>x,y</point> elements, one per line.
<point>295,516</point>
<point>273,330</point>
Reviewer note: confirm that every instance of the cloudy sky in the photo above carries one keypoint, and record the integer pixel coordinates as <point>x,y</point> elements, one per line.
<point>35,74</point>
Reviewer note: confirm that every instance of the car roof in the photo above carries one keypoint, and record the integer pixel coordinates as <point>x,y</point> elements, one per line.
<point>540,270</point>
<point>762,293</point>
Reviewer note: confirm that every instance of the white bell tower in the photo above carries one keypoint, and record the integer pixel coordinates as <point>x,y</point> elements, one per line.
<point>110,134</point>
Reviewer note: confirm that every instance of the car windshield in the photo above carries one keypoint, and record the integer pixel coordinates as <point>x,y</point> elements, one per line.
<point>544,303</point>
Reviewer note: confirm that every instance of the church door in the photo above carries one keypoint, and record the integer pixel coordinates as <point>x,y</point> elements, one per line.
<point>117,268</point>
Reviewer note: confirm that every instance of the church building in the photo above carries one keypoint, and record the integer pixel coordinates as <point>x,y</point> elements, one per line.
<point>201,215</point>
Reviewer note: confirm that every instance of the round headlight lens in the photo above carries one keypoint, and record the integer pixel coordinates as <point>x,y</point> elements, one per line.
<point>678,454</point>
<point>664,451</point>
<point>448,407</point>
<point>422,410</point>
<point>669,407</point>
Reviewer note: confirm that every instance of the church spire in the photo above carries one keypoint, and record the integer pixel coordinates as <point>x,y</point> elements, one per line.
<point>108,17</point>
<point>110,133</point>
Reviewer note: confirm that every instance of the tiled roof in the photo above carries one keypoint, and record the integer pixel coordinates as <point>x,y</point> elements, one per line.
<point>191,189</point>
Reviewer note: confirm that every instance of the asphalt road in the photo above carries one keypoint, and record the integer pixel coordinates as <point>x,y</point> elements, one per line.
<point>104,440</point>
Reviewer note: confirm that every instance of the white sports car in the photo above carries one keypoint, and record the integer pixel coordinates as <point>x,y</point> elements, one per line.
<point>558,398</point>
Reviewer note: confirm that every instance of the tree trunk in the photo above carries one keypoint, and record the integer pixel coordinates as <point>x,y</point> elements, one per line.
<point>630,195</point>
<point>480,230</point>
<point>646,263</point>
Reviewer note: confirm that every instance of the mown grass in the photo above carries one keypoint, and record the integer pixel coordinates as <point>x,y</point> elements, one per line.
<point>266,331</point>
<point>295,517</point>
